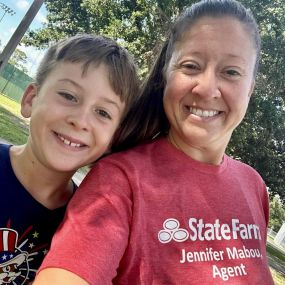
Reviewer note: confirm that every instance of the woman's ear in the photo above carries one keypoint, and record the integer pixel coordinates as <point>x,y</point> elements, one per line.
<point>27,100</point>
<point>251,88</point>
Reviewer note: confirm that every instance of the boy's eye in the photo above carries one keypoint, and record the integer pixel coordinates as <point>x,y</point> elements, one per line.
<point>67,96</point>
<point>103,113</point>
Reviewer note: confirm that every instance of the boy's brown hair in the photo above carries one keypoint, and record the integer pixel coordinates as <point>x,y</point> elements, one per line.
<point>94,50</point>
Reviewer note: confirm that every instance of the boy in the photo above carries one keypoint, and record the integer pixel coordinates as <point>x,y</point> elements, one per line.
<point>83,87</point>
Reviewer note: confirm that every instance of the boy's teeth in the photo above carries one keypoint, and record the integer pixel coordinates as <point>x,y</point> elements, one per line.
<point>67,142</point>
<point>203,113</point>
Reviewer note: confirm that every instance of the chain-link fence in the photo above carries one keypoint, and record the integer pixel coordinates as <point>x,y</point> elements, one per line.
<point>13,82</point>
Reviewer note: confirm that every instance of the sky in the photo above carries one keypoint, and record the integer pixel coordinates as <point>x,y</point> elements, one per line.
<point>9,23</point>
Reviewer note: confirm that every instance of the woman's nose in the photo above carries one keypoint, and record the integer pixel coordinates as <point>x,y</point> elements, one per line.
<point>207,85</point>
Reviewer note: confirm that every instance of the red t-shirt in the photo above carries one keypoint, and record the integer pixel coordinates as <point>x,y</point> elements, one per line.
<point>152,215</point>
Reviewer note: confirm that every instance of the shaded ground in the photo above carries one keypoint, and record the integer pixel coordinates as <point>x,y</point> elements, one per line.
<point>275,262</point>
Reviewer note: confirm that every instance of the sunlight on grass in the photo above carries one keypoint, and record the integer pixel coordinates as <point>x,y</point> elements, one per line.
<point>279,279</point>
<point>13,127</point>
<point>10,105</point>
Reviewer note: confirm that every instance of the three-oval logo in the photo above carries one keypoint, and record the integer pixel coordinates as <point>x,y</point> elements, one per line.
<point>172,231</point>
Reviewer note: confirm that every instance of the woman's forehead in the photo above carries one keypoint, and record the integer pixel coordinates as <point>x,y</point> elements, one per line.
<point>226,33</point>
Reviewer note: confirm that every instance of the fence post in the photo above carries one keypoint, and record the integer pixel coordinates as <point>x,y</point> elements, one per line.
<point>19,33</point>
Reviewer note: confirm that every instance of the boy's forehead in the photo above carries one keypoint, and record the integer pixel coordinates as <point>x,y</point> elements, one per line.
<point>78,71</point>
<point>80,68</point>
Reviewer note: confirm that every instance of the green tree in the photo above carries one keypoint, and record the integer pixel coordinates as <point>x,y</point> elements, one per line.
<point>65,18</point>
<point>141,25</point>
<point>19,60</point>
<point>260,140</point>
<point>277,213</point>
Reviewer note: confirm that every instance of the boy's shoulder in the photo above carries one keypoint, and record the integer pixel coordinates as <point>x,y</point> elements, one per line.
<point>6,170</point>
<point>4,152</point>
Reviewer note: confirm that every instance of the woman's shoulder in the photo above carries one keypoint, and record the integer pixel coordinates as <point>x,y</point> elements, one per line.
<point>236,166</point>
<point>137,158</point>
<point>142,150</point>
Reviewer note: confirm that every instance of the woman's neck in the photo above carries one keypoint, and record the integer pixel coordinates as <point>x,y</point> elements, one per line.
<point>209,155</point>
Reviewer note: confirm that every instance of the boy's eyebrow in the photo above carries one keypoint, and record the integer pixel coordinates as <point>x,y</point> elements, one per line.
<point>72,82</point>
<point>107,100</point>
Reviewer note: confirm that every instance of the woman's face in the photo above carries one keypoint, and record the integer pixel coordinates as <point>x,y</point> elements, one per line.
<point>209,81</point>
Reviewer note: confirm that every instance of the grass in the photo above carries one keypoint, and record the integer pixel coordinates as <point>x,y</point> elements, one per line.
<point>275,252</point>
<point>10,105</point>
<point>278,278</point>
<point>13,128</point>
<point>278,257</point>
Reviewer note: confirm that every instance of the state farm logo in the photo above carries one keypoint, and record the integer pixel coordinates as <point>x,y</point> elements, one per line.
<point>208,231</point>
<point>172,231</point>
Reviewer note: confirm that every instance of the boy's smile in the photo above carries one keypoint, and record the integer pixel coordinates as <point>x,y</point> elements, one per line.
<point>73,116</point>
<point>71,142</point>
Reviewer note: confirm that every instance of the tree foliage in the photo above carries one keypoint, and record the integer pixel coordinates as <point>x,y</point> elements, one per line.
<point>19,60</point>
<point>277,213</point>
<point>260,140</point>
<point>141,25</point>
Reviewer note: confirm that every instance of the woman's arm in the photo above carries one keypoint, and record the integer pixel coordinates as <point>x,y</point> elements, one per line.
<point>56,276</point>
<point>94,235</point>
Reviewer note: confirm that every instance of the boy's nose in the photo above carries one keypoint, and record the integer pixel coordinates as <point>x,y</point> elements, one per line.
<point>80,119</point>
<point>207,85</point>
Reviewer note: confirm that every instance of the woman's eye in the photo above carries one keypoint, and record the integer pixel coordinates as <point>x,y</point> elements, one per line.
<point>67,96</point>
<point>232,72</point>
<point>190,66</point>
<point>103,114</point>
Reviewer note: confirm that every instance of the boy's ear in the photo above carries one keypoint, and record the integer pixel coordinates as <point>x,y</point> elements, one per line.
<point>27,100</point>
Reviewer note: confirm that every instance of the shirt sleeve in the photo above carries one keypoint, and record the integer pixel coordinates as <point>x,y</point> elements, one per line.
<point>266,204</point>
<point>94,235</point>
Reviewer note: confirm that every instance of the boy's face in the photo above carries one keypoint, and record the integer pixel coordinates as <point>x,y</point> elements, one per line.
<point>73,117</point>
